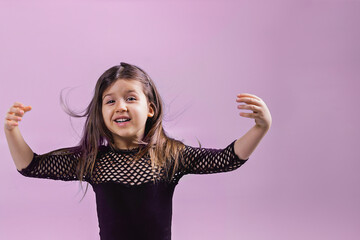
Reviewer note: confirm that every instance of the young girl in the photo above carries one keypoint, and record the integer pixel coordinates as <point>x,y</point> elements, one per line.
<point>125,154</point>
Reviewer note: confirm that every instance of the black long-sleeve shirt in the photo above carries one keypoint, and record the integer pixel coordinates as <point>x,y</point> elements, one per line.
<point>130,206</point>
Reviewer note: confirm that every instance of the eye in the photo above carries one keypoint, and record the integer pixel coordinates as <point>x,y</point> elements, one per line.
<point>131,99</point>
<point>110,101</point>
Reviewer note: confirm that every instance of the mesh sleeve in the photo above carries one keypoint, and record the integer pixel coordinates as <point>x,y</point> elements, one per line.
<point>52,166</point>
<point>207,160</point>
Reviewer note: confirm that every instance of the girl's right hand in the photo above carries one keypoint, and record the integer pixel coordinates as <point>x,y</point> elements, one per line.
<point>15,114</point>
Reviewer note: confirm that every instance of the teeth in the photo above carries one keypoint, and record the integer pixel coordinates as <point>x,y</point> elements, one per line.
<point>122,120</point>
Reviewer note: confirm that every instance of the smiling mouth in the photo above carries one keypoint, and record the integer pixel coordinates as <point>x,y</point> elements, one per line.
<point>122,120</point>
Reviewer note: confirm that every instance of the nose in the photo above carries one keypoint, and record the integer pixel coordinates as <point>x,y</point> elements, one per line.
<point>121,106</point>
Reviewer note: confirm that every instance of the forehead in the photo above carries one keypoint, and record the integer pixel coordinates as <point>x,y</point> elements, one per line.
<point>123,86</point>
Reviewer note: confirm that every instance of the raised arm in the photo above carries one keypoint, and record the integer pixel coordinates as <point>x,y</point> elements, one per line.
<point>21,152</point>
<point>57,165</point>
<point>245,145</point>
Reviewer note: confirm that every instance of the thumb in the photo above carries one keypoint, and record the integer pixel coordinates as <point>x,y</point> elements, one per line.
<point>27,108</point>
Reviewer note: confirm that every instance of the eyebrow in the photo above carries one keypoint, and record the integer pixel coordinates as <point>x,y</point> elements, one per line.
<point>128,91</point>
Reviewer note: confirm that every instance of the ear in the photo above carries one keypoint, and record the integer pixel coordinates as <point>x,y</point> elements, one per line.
<point>151,111</point>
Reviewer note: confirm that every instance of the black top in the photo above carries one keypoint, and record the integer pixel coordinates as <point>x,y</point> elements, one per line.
<point>130,206</point>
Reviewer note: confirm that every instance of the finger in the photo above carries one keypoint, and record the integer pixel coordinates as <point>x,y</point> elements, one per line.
<point>22,107</point>
<point>249,100</point>
<point>18,104</point>
<point>27,108</point>
<point>248,95</point>
<point>12,117</point>
<point>10,124</point>
<point>250,107</point>
<point>248,115</point>
<point>16,110</point>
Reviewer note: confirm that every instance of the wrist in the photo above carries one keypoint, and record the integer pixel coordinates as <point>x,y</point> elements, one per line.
<point>262,128</point>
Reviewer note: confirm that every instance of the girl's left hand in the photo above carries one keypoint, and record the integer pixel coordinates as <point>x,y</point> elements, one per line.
<point>260,113</point>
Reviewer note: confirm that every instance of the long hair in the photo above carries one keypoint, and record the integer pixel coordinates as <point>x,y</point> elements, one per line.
<point>164,151</point>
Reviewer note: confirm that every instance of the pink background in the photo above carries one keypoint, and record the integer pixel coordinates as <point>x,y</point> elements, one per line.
<point>301,57</point>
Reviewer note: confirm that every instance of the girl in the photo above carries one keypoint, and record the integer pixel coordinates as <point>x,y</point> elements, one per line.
<point>125,154</point>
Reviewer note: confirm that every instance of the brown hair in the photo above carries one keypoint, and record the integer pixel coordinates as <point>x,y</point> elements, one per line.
<point>164,151</point>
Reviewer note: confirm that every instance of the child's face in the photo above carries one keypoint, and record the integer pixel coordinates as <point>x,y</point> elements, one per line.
<point>125,110</point>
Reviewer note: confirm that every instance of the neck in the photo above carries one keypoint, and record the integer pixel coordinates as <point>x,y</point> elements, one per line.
<point>126,144</point>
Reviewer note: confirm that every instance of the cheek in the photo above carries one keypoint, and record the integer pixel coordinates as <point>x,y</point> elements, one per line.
<point>105,115</point>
